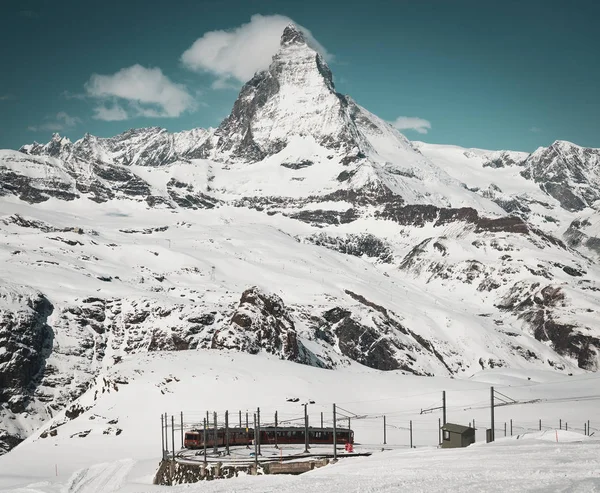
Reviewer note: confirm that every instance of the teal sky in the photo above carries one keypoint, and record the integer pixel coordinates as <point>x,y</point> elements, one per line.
<point>497,75</point>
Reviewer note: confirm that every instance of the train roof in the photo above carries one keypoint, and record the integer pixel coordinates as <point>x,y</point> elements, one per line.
<point>273,428</point>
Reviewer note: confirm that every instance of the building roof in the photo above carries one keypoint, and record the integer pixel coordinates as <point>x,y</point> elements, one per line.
<point>454,428</point>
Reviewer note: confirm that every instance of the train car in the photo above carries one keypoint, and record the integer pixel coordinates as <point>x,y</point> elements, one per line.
<point>269,435</point>
<point>194,439</point>
<point>295,434</point>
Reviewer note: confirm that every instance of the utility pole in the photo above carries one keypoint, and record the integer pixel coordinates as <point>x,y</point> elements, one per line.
<point>181,429</point>
<point>173,434</point>
<point>215,448</point>
<point>444,407</point>
<point>511,427</point>
<point>321,420</point>
<point>439,432</point>
<point>240,420</point>
<point>204,439</point>
<point>411,442</point>
<point>305,428</point>
<point>247,432</point>
<point>276,445</point>
<point>334,435</point>
<point>227,432</point>
<point>162,436</point>
<point>493,437</point>
<point>255,446</point>
<point>167,435</point>
<point>257,435</point>
<point>384,431</point>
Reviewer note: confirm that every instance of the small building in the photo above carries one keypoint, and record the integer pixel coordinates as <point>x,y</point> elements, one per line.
<point>456,436</point>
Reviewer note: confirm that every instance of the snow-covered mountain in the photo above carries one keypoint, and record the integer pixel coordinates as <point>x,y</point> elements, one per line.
<point>303,226</point>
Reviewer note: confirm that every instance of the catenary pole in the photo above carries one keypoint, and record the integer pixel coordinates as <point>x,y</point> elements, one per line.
<point>215,446</point>
<point>444,407</point>
<point>493,437</point>
<point>173,434</point>
<point>181,429</point>
<point>257,432</point>
<point>162,436</point>
<point>334,435</point>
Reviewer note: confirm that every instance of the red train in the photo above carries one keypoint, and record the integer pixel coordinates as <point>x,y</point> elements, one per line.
<point>285,435</point>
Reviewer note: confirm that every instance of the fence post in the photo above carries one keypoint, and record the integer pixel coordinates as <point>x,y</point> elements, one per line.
<point>321,420</point>
<point>167,435</point>
<point>540,425</point>
<point>511,427</point>
<point>439,432</point>
<point>411,435</point>
<point>505,428</point>
<point>560,424</point>
<point>566,426</point>
<point>584,429</point>
<point>247,432</point>
<point>240,419</point>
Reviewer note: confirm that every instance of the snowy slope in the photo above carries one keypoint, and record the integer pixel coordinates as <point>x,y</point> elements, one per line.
<point>303,227</point>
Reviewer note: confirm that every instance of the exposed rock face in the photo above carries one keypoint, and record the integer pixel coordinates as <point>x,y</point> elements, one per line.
<point>541,307</point>
<point>25,344</point>
<point>567,172</point>
<point>261,322</point>
<point>357,245</point>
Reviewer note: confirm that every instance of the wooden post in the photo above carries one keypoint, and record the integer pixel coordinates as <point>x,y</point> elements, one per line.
<point>440,431</point>
<point>240,420</point>
<point>540,425</point>
<point>321,420</point>
<point>411,435</point>
<point>560,424</point>
<point>505,428</point>
<point>511,428</point>
<point>566,426</point>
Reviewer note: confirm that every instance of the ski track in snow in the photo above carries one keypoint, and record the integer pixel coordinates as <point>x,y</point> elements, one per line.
<point>100,478</point>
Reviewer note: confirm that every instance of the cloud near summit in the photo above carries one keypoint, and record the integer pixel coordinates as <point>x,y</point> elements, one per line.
<point>146,91</point>
<point>240,52</point>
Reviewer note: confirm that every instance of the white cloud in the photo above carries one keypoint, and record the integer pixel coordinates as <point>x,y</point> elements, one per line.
<point>147,91</point>
<point>59,122</point>
<point>241,52</point>
<point>419,125</point>
<point>113,114</point>
<point>535,130</point>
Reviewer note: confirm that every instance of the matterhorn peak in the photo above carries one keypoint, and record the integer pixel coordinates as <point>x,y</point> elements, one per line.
<point>292,35</point>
